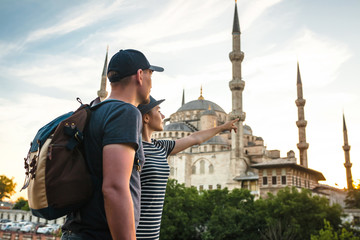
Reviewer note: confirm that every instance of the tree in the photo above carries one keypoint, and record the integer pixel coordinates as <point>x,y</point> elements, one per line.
<point>229,215</point>
<point>181,212</point>
<point>328,233</point>
<point>21,204</point>
<point>7,187</point>
<point>353,198</point>
<point>300,213</point>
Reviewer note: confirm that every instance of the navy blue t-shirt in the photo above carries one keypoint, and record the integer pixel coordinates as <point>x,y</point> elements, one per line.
<point>111,122</point>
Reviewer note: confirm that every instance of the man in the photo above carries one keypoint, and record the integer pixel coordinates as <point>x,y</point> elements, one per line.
<point>114,153</point>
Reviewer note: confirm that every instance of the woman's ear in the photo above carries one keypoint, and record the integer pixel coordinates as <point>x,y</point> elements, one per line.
<point>146,118</point>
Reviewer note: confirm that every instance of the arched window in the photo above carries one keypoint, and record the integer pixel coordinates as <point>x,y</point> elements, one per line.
<point>202,167</point>
<point>211,169</point>
<point>193,169</point>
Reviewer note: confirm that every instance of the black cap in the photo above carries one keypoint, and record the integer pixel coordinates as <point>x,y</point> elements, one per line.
<point>145,108</point>
<point>128,62</point>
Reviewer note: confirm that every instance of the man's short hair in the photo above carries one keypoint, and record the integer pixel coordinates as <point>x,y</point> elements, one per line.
<point>114,77</point>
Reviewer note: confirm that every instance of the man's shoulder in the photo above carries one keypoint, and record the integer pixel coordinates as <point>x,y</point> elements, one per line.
<point>113,105</point>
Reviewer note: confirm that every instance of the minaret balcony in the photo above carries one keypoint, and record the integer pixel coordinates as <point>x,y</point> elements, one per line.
<point>300,102</point>
<point>302,145</point>
<point>301,123</point>
<point>236,55</point>
<point>236,84</point>
<point>346,147</point>
<point>348,165</point>
<point>236,114</point>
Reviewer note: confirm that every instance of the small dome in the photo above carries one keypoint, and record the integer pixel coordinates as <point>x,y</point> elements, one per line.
<point>200,105</point>
<point>247,130</point>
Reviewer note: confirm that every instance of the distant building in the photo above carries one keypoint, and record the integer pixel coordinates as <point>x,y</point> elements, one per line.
<point>5,205</point>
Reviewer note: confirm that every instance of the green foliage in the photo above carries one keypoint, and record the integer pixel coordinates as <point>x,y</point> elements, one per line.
<point>328,233</point>
<point>21,204</point>
<point>353,198</point>
<point>181,212</point>
<point>230,215</point>
<point>224,214</point>
<point>298,212</point>
<point>7,187</point>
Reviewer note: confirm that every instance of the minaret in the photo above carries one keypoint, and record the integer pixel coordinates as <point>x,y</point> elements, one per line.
<point>301,123</point>
<point>237,86</point>
<point>102,93</point>
<point>347,163</point>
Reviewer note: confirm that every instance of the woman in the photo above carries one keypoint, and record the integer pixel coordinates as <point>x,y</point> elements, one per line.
<point>155,172</point>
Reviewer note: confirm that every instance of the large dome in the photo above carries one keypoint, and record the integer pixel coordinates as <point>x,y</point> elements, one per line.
<point>200,105</point>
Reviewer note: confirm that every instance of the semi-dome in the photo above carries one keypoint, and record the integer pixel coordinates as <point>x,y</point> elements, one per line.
<point>201,104</point>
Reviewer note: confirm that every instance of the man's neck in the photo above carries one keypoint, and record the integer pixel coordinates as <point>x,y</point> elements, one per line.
<point>125,95</point>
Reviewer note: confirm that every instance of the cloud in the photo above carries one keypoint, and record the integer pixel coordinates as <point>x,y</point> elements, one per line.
<point>315,53</point>
<point>76,18</point>
<point>62,72</point>
<point>253,10</point>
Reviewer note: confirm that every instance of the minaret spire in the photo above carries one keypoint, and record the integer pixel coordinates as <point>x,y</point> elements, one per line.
<point>236,25</point>
<point>236,86</point>
<point>102,93</point>
<point>183,98</point>
<point>301,123</point>
<point>347,163</point>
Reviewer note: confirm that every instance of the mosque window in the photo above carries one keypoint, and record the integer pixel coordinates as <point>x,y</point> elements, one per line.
<point>193,169</point>
<point>210,187</point>
<point>265,182</point>
<point>264,172</point>
<point>211,169</point>
<point>213,148</point>
<point>299,182</point>
<point>182,134</point>
<point>274,180</point>
<point>218,186</point>
<point>202,167</point>
<point>205,148</point>
<point>283,180</point>
<point>201,187</point>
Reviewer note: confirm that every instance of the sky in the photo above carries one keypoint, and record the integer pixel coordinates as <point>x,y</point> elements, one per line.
<point>52,52</point>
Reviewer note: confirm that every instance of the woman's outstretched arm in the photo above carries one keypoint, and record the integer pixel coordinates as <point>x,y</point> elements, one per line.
<point>202,136</point>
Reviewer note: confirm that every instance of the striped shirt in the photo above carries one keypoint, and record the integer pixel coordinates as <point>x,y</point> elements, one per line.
<point>154,177</point>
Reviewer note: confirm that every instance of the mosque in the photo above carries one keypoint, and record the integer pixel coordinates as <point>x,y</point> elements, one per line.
<point>239,160</point>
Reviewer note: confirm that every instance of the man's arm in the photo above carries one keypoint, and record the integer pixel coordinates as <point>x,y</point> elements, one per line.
<point>202,136</point>
<point>118,160</point>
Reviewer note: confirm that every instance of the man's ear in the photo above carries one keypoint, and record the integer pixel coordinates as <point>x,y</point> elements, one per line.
<point>139,76</point>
